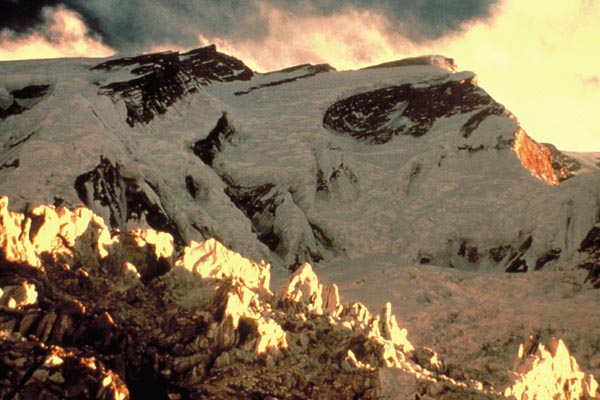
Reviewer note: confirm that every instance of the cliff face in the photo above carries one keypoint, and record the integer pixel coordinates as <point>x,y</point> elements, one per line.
<point>87,314</point>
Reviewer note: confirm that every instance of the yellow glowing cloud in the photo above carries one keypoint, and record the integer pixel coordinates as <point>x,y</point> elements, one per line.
<point>541,60</point>
<point>70,38</point>
<point>347,40</point>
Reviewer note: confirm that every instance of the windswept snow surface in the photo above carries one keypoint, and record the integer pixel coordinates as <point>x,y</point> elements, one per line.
<point>428,221</point>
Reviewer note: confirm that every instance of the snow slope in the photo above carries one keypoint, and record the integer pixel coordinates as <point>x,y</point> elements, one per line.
<point>409,168</point>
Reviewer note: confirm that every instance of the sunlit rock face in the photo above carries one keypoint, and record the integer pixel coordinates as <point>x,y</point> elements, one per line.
<point>544,161</point>
<point>535,157</point>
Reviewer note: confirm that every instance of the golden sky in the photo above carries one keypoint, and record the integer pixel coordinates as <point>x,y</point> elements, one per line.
<point>541,59</point>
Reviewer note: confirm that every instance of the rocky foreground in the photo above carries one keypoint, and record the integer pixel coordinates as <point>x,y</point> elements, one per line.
<point>90,313</point>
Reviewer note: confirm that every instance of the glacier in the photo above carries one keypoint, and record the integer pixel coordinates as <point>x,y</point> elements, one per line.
<point>405,182</point>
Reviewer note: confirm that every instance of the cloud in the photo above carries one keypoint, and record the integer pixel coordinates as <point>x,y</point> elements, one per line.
<point>136,25</point>
<point>537,58</point>
<point>592,80</point>
<point>532,58</point>
<point>60,33</point>
<point>23,16</point>
<point>346,40</point>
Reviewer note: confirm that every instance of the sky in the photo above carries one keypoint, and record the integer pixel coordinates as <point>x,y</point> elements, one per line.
<point>540,58</point>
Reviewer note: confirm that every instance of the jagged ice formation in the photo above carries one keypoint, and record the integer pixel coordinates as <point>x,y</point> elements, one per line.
<point>77,301</point>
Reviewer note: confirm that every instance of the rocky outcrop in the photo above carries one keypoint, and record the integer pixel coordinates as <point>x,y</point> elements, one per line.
<point>300,72</point>
<point>590,251</point>
<point>20,100</point>
<point>164,78</point>
<point>535,157</point>
<point>87,314</point>
<point>564,166</point>
<point>410,109</point>
<point>206,149</point>
<point>544,161</point>
<point>123,200</point>
<point>549,372</point>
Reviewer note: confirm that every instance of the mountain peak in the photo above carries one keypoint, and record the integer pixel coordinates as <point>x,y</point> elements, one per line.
<point>190,165</point>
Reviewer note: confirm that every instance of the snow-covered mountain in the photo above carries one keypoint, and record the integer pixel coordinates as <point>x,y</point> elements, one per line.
<point>303,164</point>
<point>403,167</point>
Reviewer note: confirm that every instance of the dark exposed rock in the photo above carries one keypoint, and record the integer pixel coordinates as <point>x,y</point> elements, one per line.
<point>206,149</point>
<point>325,183</point>
<point>310,67</point>
<point>20,141</point>
<point>311,70</point>
<point>407,109</point>
<point>504,143</point>
<point>255,200</point>
<point>552,255</point>
<point>122,198</point>
<point>164,78</point>
<point>322,237</point>
<point>498,253</point>
<point>470,148</point>
<point>591,243</point>
<point>259,204</point>
<point>24,99</point>
<point>513,257</point>
<point>526,245</point>
<point>593,269</point>
<point>32,370</point>
<point>191,186</point>
<point>564,166</point>
<point>12,164</point>
<point>31,92</point>
<point>517,263</point>
<point>590,247</point>
<point>476,119</point>
<point>469,252</point>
